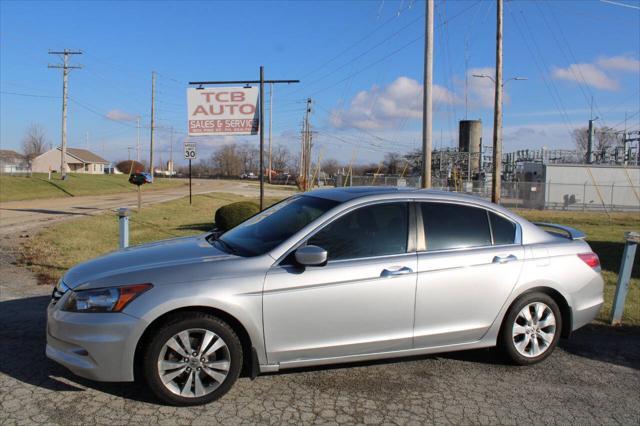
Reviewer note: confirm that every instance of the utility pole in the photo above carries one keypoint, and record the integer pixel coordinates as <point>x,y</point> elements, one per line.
<point>427,98</point>
<point>153,109</point>
<point>65,81</point>
<point>497,113</point>
<point>306,147</point>
<point>590,138</point>
<point>270,125</point>
<point>171,153</point>
<point>138,139</point>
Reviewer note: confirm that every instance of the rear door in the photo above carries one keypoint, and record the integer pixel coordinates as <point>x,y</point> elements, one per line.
<point>469,260</point>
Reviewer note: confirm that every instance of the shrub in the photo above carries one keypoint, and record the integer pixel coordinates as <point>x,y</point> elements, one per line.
<point>235,213</point>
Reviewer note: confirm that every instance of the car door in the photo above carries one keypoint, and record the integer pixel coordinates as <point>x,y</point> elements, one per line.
<point>469,260</point>
<point>361,301</point>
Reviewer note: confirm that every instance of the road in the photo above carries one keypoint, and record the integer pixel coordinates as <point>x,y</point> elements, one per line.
<point>593,378</point>
<point>33,214</point>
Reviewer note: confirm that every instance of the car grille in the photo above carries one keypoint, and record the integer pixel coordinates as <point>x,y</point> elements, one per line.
<point>58,291</point>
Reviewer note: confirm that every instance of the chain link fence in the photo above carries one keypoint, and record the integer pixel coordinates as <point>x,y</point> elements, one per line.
<point>533,195</point>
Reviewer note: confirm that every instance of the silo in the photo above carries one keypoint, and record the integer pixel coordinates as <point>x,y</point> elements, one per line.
<point>470,140</point>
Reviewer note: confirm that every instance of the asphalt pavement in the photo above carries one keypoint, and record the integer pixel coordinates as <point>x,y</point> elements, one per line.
<point>593,378</point>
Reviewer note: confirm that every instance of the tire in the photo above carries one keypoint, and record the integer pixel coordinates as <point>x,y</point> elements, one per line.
<point>527,341</point>
<point>176,376</point>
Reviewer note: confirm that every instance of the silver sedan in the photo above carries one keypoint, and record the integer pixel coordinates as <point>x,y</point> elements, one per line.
<point>325,277</point>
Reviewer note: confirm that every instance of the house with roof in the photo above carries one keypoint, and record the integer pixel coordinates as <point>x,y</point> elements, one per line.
<point>12,161</point>
<point>78,161</point>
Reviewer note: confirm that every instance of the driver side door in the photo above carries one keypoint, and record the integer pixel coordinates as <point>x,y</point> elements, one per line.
<point>360,302</point>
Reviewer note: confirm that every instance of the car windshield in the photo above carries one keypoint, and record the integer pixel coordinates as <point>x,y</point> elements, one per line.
<point>271,227</point>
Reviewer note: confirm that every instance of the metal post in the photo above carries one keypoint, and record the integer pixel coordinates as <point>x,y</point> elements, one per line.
<point>632,239</point>
<point>190,183</point>
<point>123,221</point>
<point>497,114</point>
<point>261,137</point>
<point>153,114</point>
<point>427,97</point>
<point>270,127</point>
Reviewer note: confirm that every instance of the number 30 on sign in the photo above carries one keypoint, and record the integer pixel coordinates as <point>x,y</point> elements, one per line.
<point>189,151</point>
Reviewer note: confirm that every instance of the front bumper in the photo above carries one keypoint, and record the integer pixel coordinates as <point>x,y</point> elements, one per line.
<point>95,346</point>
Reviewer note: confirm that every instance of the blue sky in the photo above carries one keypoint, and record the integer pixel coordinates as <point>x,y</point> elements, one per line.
<point>360,61</point>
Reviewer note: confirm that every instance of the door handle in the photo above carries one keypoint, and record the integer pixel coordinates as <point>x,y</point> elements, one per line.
<point>504,259</point>
<point>394,271</point>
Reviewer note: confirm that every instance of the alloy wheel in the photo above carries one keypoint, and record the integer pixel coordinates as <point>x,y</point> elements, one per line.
<point>194,362</point>
<point>534,329</point>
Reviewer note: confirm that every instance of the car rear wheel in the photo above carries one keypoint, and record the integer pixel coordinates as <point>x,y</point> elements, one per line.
<point>531,329</point>
<point>193,359</point>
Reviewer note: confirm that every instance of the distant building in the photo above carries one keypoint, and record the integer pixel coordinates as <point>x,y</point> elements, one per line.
<point>78,161</point>
<point>12,162</point>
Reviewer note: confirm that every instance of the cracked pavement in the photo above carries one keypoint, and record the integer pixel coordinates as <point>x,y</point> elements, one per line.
<point>593,378</point>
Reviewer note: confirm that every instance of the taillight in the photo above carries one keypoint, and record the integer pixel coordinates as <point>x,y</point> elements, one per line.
<point>590,259</point>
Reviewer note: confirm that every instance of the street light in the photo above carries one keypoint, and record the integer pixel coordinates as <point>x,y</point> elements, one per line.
<point>497,116</point>
<point>494,80</point>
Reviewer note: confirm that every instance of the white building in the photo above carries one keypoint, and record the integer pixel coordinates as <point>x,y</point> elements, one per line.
<point>78,161</point>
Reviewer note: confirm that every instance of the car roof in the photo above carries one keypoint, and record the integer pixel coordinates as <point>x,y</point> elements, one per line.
<point>345,194</point>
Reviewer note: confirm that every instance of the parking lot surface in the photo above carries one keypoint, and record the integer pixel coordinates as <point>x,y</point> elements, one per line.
<point>593,378</point>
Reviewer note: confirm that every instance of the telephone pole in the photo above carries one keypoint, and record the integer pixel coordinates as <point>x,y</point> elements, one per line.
<point>171,153</point>
<point>138,139</point>
<point>153,109</point>
<point>427,98</point>
<point>270,124</point>
<point>306,147</point>
<point>65,81</point>
<point>497,113</point>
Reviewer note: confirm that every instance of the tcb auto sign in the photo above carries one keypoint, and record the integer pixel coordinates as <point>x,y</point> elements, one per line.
<point>223,111</point>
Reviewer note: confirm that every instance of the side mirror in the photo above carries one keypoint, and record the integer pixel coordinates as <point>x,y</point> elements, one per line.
<point>311,256</point>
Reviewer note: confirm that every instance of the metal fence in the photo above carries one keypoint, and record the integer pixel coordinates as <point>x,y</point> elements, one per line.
<point>534,195</point>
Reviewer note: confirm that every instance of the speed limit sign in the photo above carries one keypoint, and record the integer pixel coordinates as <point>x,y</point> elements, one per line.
<point>189,151</point>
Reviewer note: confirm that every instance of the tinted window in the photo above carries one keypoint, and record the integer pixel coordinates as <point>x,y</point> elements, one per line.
<point>504,231</point>
<point>272,226</point>
<point>375,230</point>
<point>449,226</point>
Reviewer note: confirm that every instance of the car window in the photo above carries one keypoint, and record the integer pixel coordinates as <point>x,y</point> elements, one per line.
<point>375,230</point>
<point>504,231</point>
<point>451,226</point>
<point>272,226</point>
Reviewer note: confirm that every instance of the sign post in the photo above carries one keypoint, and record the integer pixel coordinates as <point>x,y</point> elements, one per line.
<point>229,111</point>
<point>190,154</point>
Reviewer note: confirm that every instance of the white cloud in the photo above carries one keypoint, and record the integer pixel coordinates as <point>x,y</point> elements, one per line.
<point>119,115</point>
<point>619,63</point>
<point>586,73</point>
<point>380,108</point>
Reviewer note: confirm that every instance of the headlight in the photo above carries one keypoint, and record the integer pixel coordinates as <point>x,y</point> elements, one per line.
<point>111,299</point>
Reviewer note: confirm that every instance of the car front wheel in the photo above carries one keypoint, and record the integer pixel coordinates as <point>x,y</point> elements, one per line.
<point>193,359</point>
<point>531,329</point>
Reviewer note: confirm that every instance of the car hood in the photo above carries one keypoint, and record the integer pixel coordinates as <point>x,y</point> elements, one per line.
<point>161,254</point>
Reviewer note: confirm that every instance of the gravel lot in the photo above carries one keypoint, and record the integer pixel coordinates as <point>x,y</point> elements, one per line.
<point>594,378</point>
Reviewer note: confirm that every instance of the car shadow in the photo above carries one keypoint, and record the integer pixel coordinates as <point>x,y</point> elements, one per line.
<point>23,352</point>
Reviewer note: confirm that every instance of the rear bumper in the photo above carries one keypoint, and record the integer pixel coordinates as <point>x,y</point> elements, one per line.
<point>585,315</point>
<point>95,346</point>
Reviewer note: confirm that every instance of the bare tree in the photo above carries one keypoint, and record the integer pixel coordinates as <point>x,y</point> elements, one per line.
<point>330,166</point>
<point>604,137</point>
<point>392,162</point>
<point>34,142</point>
<point>280,158</point>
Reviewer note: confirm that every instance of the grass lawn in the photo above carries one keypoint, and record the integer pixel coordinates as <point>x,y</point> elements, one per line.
<point>57,248</point>
<point>16,188</point>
